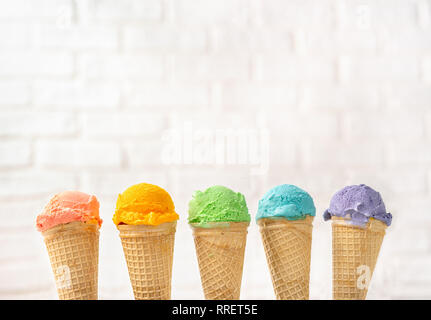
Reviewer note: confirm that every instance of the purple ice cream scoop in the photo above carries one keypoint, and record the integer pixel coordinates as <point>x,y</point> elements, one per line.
<point>360,203</point>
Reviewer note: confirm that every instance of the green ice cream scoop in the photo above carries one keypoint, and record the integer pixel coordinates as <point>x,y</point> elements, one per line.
<point>218,204</point>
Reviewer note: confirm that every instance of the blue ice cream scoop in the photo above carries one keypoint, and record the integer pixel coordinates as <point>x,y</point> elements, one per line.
<point>286,201</point>
<point>359,203</point>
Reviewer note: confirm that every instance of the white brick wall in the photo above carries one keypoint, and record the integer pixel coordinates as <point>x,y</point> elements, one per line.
<point>35,64</point>
<point>340,89</point>
<point>164,38</point>
<point>32,124</point>
<point>14,94</point>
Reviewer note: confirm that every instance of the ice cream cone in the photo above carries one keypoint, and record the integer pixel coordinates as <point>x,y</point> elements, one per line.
<point>287,246</point>
<point>220,250</point>
<point>355,251</point>
<point>149,254</point>
<point>73,250</point>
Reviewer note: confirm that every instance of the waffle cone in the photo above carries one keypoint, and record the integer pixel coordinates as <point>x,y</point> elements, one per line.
<point>287,247</point>
<point>73,250</point>
<point>149,252</point>
<point>220,252</point>
<point>354,252</point>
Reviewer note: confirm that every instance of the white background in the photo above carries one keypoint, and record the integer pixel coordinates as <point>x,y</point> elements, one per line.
<point>89,88</point>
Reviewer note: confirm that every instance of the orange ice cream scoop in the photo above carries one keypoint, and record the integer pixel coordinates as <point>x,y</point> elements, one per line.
<point>146,204</point>
<point>69,206</point>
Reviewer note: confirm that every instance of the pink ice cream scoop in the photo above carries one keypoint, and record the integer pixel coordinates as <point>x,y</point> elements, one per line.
<point>69,206</point>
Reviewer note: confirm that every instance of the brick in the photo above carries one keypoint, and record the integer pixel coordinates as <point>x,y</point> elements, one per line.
<point>409,153</point>
<point>424,13</point>
<point>422,245</point>
<point>341,41</point>
<point>407,96</point>
<point>77,37</point>
<point>285,156</point>
<point>361,14</point>
<point>77,154</point>
<point>416,265</point>
<point>110,185</point>
<point>16,35</point>
<point>122,125</point>
<point>263,95</point>
<point>428,125</point>
<point>203,120</point>
<point>34,124</point>
<point>47,9</point>
<point>14,154</point>
<point>123,67</point>
<point>128,10</point>
<point>35,64</point>
<point>14,93</point>
<point>284,68</point>
<point>27,184</point>
<point>417,203</point>
<point>211,68</point>
<point>426,70</point>
<point>378,69</point>
<point>299,14</point>
<point>321,153</point>
<point>76,94</point>
<point>356,42</point>
<point>410,40</point>
<point>261,39</point>
<point>23,249</point>
<point>21,214</point>
<point>323,125</point>
<point>157,95</point>
<point>165,39</point>
<point>233,12</point>
<point>429,180</point>
<point>387,125</point>
<point>294,125</point>
<point>21,273</point>
<point>139,156</point>
<point>342,97</point>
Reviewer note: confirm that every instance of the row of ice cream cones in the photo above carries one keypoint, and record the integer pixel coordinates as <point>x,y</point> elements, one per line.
<point>220,246</point>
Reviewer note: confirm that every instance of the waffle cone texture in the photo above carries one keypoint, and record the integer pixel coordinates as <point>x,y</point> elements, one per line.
<point>220,252</point>
<point>354,252</point>
<point>149,252</point>
<point>287,245</point>
<point>73,250</point>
